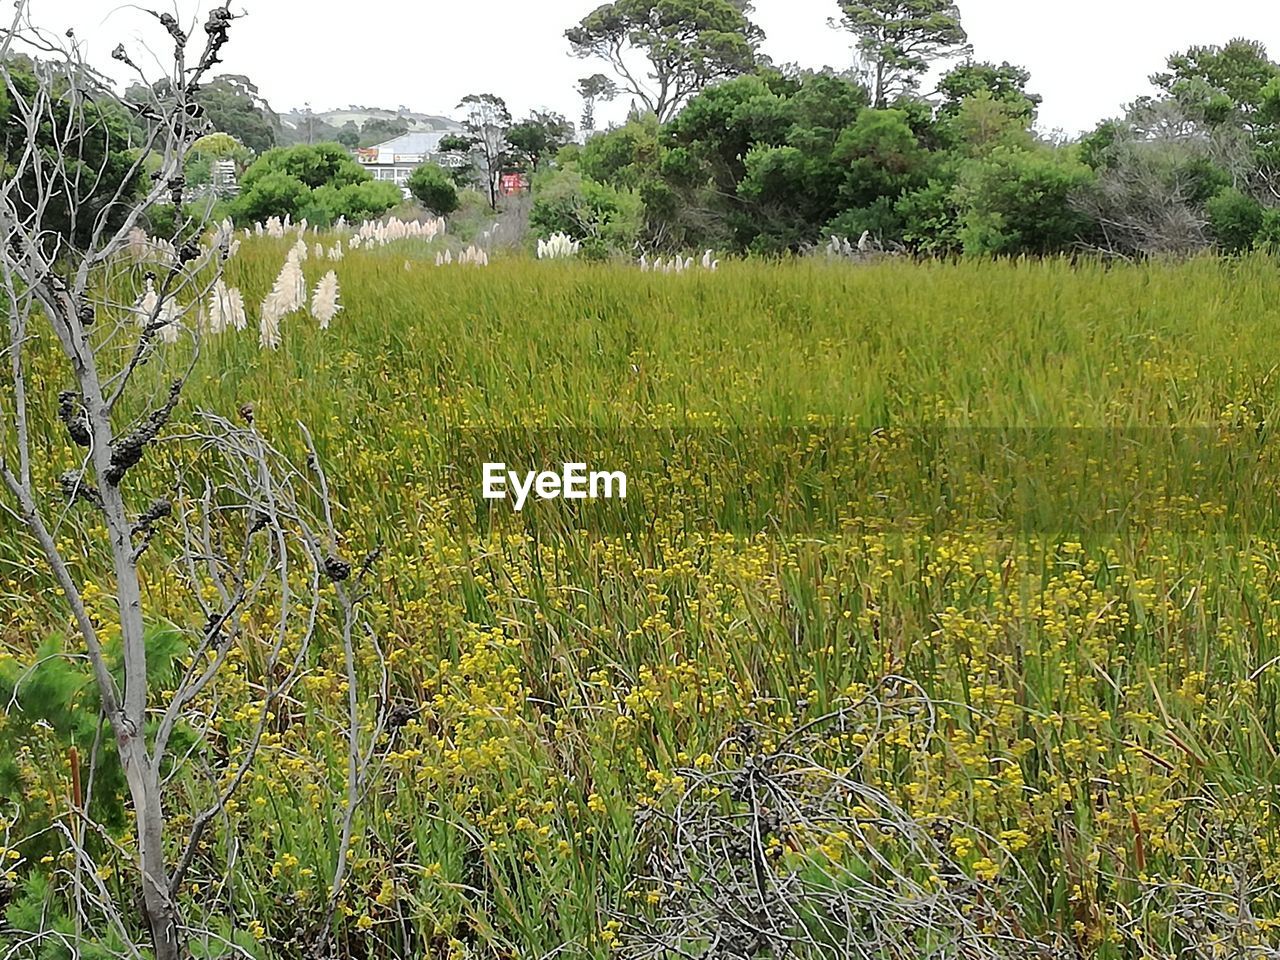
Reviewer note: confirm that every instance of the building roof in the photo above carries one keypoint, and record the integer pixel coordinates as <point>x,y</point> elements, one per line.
<point>407,145</point>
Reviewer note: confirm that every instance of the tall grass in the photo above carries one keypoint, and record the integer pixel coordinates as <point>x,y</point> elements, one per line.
<point>1041,491</point>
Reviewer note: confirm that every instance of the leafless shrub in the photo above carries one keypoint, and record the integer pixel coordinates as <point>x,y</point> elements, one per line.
<point>776,849</point>
<point>245,528</point>
<point>1148,198</point>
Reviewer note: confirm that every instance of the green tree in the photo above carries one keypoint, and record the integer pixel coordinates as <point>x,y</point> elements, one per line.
<point>349,135</point>
<point>102,170</point>
<point>461,168</point>
<point>486,124</point>
<point>382,129</point>
<point>899,39</point>
<point>434,189</point>
<point>1219,84</point>
<point>594,89</point>
<point>534,140</point>
<point>1236,220</point>
<point>232,104</point>
<point>318,181</point>
<point>315,165</point>
<point>1005,84</point>
<point>1019,202</point>
<point>606,219</point>
<point>687,45</point>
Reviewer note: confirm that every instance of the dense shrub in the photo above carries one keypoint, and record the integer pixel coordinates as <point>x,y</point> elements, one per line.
<point>320,183</point>
<point>432,186</point>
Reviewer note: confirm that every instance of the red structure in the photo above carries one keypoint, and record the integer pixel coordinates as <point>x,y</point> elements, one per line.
<point>512,184</point>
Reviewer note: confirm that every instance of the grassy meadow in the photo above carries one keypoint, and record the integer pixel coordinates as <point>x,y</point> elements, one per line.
<point>1026,509</point>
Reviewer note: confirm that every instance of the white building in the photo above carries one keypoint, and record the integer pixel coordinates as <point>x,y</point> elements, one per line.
<point>396,159</point>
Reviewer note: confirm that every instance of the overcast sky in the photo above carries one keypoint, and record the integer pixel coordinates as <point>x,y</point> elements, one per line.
<point>1087,57</point>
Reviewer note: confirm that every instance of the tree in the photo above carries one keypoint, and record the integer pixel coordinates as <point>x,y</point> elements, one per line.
<point>899,39</point>
<point>434,189</point>
<point>594,89</point>
<point>381,129</point>
<point>349,135</point>
<point>319,182</point>
<point>1235,219</point>
<point>94,313</point>
<point>1019,202</point>
<point>95,141</point>
<point>688,44</point>
<point>486,124</point>
<point>231,104</point>
<point>461,167</point>
<point>604,218</point>
<point>1218,84</point>
<point>539,137</point>
<point>1005,84</point>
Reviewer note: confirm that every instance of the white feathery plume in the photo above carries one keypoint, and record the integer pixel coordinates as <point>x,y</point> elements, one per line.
<point>559,246</point>
<point>269,323</point>
<point>169,331</point>
<point>147,303</point>
<point>474,256</point>
<point>324,303</point>
<point>219,308</point>
<point>235,307</point>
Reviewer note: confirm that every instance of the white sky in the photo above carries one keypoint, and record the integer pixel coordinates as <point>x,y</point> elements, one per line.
<point>1087,57</point>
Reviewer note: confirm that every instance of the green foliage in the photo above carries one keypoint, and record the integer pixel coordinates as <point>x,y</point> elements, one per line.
<point>54,700</point>
<point>1236,220</point>
<point>348,135</point>
<point>594,89</point>
<point>379,130</point>
<point>534,140</point>
<point>626,156</point>
<point>324,164</point>
<point>900,38</point>
<point>603,217</point>
<point>982,122</point>
<point>231,104</point>
<point>1019,202</point>
<point>432,186</point>
<point>931,219</point>
<point>687,43</point>
<point>355,201</point>
<point>1219,84</point>
<point>274,194</point>
<point>102,181</point>
<point>320,182</point>
<point>1004,83</point>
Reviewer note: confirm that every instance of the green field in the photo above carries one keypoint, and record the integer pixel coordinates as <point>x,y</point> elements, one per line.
<point>993,546</point>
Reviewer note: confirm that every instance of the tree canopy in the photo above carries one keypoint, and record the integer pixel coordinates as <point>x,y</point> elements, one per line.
<point>318,182</point>
<point>899,39</point>
<point>686,44</point>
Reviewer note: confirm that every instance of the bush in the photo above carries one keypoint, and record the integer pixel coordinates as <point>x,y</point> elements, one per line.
<point>431,184</point>
<point>320,183</point>
<point>1019,202</point>
<point>1269,234</point>
<point>1235,219</point>
<point>603,217</point>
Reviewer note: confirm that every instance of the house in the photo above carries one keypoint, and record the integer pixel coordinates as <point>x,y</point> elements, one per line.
<point>396,159</point>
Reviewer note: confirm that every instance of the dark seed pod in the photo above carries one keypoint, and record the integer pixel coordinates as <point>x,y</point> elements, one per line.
<point>337,569</point>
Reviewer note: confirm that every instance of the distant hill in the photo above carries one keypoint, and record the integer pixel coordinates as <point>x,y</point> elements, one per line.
<point>418,122</point>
